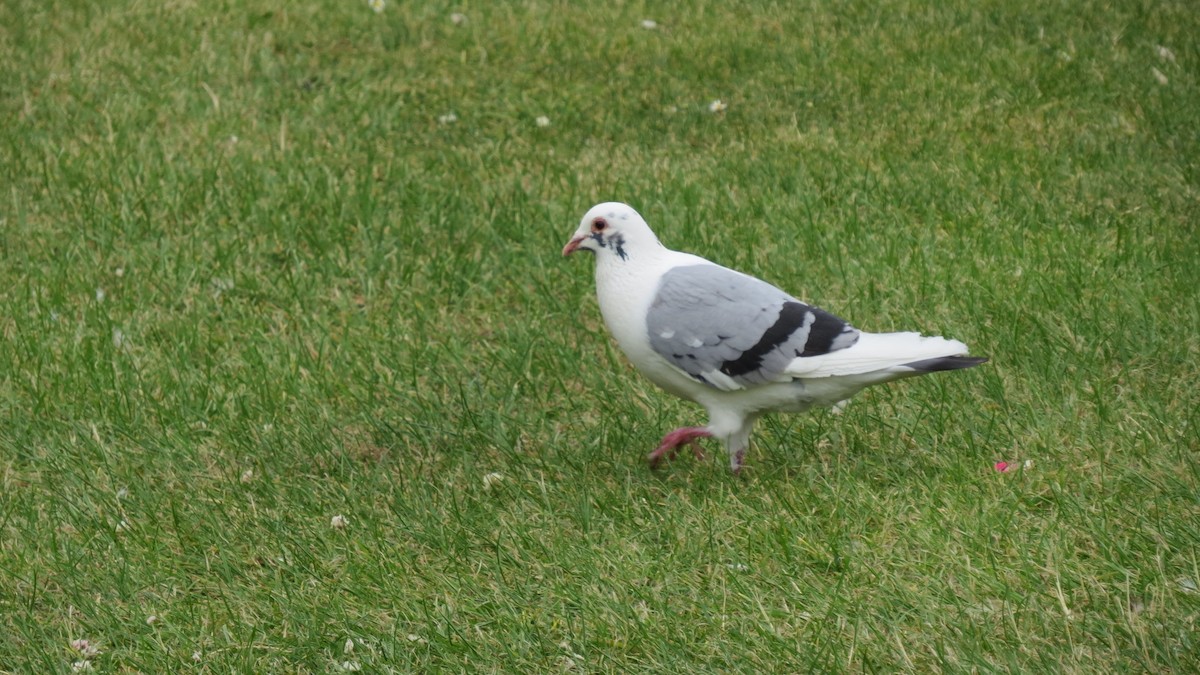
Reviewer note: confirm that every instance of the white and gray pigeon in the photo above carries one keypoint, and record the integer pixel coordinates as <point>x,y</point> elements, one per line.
<point>736,345</point>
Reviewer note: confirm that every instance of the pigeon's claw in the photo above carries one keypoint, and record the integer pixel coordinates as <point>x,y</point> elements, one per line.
<point>678,438</point>
<point>737,460</point>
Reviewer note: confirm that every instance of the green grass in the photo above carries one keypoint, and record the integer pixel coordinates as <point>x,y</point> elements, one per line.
<point>248,282</point>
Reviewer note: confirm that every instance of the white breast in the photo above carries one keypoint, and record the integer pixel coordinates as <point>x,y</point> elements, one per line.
<point>625,293</point>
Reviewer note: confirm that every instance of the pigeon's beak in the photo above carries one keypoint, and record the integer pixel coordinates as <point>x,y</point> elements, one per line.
<point>572,245</point>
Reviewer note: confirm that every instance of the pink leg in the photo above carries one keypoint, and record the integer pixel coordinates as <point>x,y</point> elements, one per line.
<point>676,439</point>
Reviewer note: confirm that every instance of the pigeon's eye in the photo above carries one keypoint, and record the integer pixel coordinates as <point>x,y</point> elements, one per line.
<point>599,224</point>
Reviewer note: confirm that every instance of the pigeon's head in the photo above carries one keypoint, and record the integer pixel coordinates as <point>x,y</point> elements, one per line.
<point>612,229</point>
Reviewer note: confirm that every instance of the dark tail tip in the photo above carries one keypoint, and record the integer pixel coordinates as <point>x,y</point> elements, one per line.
<point>946,363</point>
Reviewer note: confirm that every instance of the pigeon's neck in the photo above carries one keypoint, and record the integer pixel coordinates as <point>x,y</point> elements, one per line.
<point>624,283</point>
<point>624,256</point>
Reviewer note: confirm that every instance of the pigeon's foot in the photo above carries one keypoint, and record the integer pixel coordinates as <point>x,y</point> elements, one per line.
<point>737,459</point>
<point>677,439</point>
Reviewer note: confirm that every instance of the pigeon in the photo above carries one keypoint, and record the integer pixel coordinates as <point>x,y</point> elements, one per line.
<point>734,344</point>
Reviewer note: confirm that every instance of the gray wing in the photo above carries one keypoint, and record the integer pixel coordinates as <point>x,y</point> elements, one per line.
<point>732,331</point>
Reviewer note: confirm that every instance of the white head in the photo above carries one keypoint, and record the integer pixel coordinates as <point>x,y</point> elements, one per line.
<point>612,229</point>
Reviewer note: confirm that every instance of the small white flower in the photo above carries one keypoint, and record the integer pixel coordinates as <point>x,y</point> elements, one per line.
<point>1164,53</point>
<point>1158,75</point>
<point>85,648</point>
<point>339,522</point>
<point>268,428</point>
<point>738,567</point>
<point>458,19</point>
<point>122,493</point>
<point>196,656</point>
<point>221,285</point>
<point>233,139</point>
<point>642,611</point>
<point>649,24</point>
<point>569,661</point>
<point>81,665</point>
<point>348,647</point>
<point>100,295</point>
<point>350,666</point>
<point>118,338</point>
<point>375,5</point>
<point>120,271</point>
<point>413,637</point>
<point>1028,464</point>
<point>151,620</point>
<point>717,106</point>
<point>542,121</point>
<point>247,475</point>
<point>492,479</point>
<point>448,118</point>
<point>123,525</point>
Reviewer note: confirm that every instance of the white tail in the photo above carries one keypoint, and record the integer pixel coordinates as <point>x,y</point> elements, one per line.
<point>884,353</point>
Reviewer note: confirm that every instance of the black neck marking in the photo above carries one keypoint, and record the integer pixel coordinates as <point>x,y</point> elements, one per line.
<point>616,241</point>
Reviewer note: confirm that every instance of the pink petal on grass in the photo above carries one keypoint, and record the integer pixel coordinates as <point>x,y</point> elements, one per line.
<point>1003,467</point>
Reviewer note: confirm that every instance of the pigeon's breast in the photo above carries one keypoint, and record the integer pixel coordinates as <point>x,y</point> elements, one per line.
<point>625,296</point>
<point>624,301</point>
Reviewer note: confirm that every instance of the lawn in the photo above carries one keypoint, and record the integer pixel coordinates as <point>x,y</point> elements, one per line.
<point>293,377</point>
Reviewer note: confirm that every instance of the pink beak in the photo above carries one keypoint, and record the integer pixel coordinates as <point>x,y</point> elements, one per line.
<point>572,245</point>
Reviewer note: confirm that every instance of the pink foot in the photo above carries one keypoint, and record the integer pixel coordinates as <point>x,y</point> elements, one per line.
<point>737,461</point>
<point>677,439</point>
